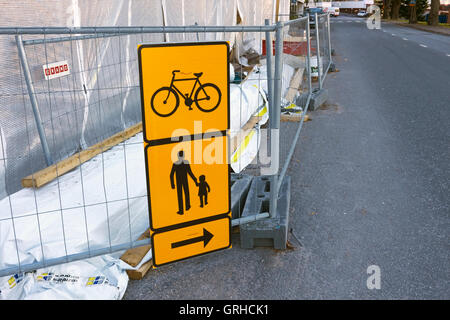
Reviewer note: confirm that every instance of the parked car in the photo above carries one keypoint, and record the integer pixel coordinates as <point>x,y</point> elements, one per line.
<point>362,13</point>
<point>312,11</point>
<point>334,12</point>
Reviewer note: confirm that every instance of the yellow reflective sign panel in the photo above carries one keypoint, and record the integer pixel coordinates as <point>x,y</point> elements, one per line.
<point>187,181</point>
<point>185,110</point>
<point>179,244</point>
<point>182,84</point>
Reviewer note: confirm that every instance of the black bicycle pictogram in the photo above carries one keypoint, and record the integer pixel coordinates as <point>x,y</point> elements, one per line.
<point>166,100</point>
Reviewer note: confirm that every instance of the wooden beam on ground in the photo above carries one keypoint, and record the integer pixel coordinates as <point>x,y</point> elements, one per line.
<point>293,117</point>
<point>135,255</point>
<point>46,175</point>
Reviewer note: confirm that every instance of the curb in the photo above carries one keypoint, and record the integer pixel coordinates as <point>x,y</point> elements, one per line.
<point>418,27</point>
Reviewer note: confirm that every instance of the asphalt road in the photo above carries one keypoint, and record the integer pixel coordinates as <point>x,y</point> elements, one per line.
<point>370,185</point>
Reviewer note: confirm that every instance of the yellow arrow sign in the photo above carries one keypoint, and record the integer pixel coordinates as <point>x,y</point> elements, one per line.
<point>195,240</point>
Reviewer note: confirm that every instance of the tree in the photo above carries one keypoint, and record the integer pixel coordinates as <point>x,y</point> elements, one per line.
<point>387,9</point>
<point>395,9</point>
<point>421,6</point>
<point>412,15</point>
<point>433,18</point>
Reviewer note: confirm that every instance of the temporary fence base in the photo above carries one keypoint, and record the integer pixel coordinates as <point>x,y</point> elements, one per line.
<point>318,97</point>
<point>240,184</point>
<point>270,232</point>
<point>332,67</point>
<point>302,100</point>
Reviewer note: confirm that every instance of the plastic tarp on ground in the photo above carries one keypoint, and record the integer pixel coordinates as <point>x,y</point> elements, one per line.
<point>92,207</point>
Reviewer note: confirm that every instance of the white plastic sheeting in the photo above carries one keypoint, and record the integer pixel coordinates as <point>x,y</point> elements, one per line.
<point>72,107</point>
<point>248,99</point>
<point>77,118</point>
<point>199,12</point>
<point>92,207</point>
<point>89,208</point>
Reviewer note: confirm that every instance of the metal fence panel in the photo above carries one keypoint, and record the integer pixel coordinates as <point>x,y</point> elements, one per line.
<point>322,45</point>
<point>101,206</point>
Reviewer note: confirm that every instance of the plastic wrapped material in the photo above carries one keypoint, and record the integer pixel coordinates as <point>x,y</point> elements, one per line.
<point>100,97</point>
<point>98,278</point>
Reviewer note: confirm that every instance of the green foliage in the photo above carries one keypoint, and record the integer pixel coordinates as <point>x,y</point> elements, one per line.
<point>421,6</point>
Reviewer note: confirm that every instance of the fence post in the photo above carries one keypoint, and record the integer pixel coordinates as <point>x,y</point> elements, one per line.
<point>308,45</point>
<point>34,103</point>
<point>329,39</point>
<point>319,69</point>
<point>269,66</point>
<point>275,115</point>
<point>297,134</point>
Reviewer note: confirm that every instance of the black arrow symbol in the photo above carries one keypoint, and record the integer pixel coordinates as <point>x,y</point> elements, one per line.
<point>206,237</point>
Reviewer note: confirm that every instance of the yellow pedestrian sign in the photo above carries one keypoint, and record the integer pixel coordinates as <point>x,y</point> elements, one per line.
<point>183,187</point>
<point>185,111</point>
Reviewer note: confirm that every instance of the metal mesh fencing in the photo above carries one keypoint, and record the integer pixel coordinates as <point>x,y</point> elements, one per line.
<point>321,47</point>
<point>296,88</point>
<point>81,124</point>
<point>75,215</point>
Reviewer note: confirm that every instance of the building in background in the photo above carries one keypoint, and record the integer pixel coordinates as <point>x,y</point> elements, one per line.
<point>352,6</point>
<point>344,5</point>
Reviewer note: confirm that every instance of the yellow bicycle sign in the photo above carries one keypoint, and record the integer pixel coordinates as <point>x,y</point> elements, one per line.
<point>166,100</point>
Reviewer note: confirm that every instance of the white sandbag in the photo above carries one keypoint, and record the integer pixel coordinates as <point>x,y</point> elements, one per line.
<point>98,278</point>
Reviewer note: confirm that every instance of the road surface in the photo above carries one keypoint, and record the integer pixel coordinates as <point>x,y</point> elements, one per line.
<point>370,185</point>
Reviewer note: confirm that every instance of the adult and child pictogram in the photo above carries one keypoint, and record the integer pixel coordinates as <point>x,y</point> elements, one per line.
<point>181,171</point>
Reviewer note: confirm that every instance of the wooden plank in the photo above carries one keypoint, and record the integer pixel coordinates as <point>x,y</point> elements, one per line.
<point>245,130</point>
<point>135,255</point>
<point>294,85</point>
<point>46,175</point>
<point>277,10</point>
<point>141,272</point>
<point>293,117</point>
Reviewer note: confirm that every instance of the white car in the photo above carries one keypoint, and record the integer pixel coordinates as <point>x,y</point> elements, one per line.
<point>361,13</point>
<point>334,12</point>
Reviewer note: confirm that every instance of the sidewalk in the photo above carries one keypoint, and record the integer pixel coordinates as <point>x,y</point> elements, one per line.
<point>434,29</point>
